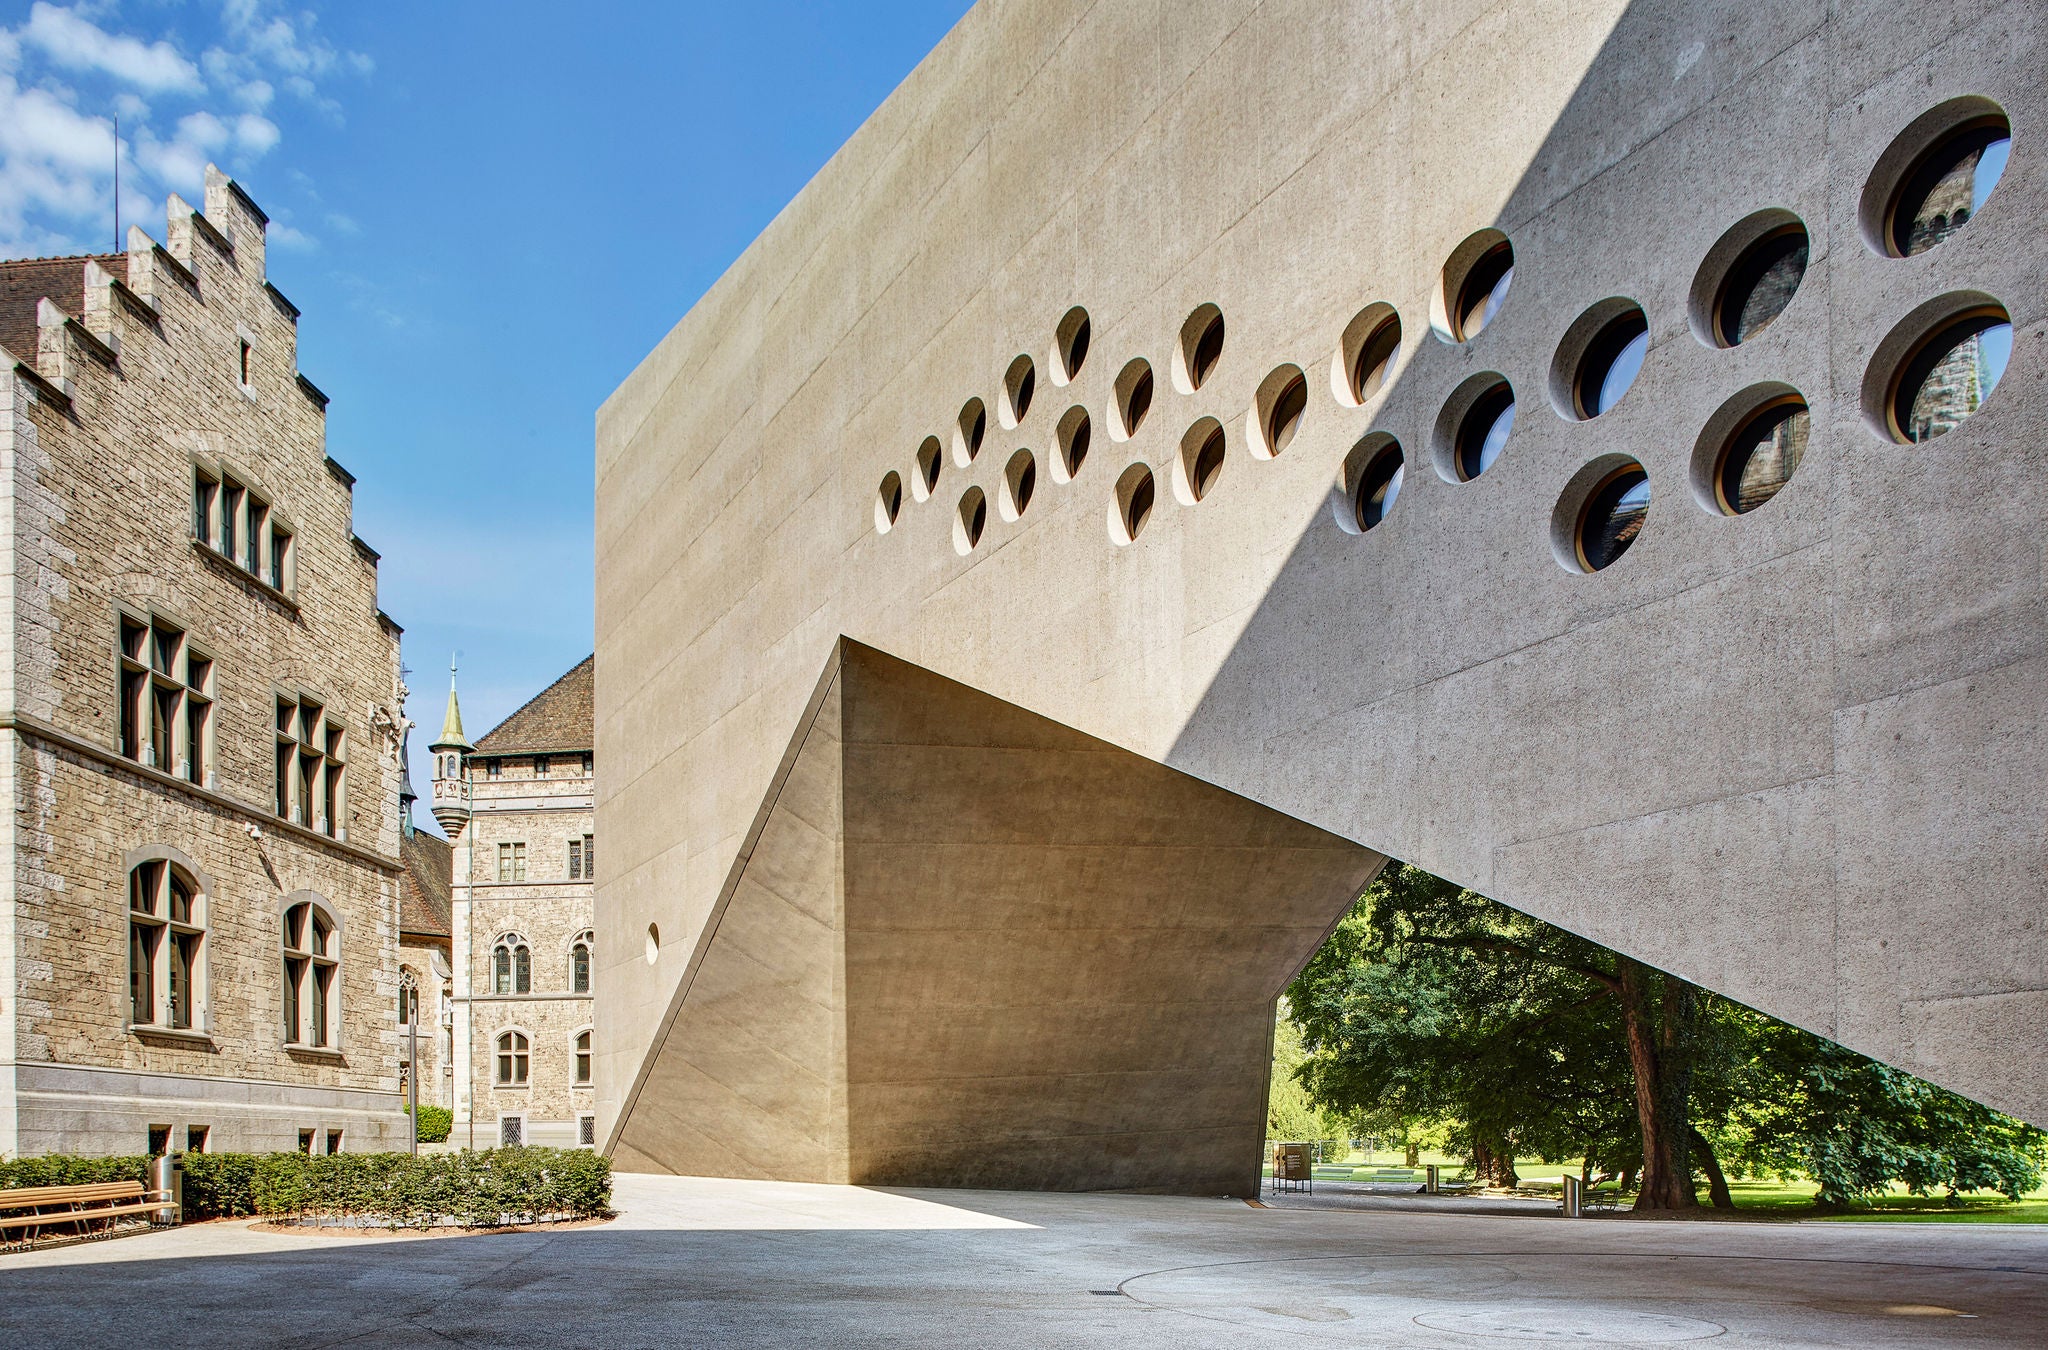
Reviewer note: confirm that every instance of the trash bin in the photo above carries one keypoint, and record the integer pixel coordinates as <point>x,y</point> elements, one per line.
<point>1429,1186</point>
<point>1573,1201</point>
<point>167,1176</point>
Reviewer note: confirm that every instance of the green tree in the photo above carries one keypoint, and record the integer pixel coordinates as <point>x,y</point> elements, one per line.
<point>1290,1114</point>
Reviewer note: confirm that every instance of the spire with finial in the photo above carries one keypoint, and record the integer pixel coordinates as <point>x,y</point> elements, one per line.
<point>451,776</point>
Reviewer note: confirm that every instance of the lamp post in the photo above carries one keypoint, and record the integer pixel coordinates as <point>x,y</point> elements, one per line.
<point>409,999</point>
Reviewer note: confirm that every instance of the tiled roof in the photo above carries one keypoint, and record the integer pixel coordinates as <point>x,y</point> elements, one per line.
<point>423,892</point>
<point>560,717</point>
<point>62,280</point>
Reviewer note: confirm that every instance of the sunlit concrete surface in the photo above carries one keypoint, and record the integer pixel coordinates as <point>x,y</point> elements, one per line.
<point>743,1263</point>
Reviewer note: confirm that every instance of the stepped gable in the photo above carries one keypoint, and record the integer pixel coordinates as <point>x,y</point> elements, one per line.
<point>59,280</point>
<point>424,904</point>
<point>560,717</point>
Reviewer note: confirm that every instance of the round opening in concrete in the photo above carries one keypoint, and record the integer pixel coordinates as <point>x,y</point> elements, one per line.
<point>1020,381</point>
<point>1935,177</point>
<point>1365,355</point>
<point>653,943</point>
<point>1473,427</point>
<point>1599,358</point>
<point>1474,286</point>
<point>1369,483</point>
<point>1070,444</point>
<point>1020,480</point>
<point>1200,462</point>
<point>1750,448</point>
<point>1131,506</point>
<point>1937,367</point>
<point>1199,349</point>
<point>1277,411</point>
<point>1748,278</point>
<point>1069,345</point>
<point>1132,399</point>
<point>970,521</point>
<point>925,476</point>
<point>968,430</point>
<point>1600,513</point>
<point>888,501</point>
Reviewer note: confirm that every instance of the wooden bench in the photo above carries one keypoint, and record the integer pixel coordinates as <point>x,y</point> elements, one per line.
<point>94,1210</point>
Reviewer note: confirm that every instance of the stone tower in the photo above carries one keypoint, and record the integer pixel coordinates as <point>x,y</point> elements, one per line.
<point>451,785</point>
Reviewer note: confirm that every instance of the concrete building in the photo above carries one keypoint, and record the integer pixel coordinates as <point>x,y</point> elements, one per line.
<point>198,935</point>
<point>518,805</point>
<point>1171,457</point>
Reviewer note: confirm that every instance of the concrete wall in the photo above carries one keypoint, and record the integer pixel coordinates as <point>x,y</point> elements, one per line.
<point>1789,755</point>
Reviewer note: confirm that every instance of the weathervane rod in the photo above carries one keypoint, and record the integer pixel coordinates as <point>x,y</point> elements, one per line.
<point>117,185</point>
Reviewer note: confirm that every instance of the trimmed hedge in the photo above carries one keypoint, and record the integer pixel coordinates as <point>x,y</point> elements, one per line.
<point>435,1122</point>
<point>394,1190</point>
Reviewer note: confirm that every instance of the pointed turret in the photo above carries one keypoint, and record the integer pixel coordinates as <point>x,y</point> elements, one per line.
<point>451,770</point>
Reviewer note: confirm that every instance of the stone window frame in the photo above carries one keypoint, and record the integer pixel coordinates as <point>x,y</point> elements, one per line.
<point>201,769</point>
<point>582,1056</point>
<point>518,964</point>
<point>276,557</point>
<point>334,956</point>
<point>543,766</point>
<point>587,940</point>
<point>332,786</point>
<point>582,856</point>
<point>520,1118</point>
<point>201,1027</point>
<point>494,768</point>
<point>522,1047</point>
<point>586,1125</point>
<point>511,861</point>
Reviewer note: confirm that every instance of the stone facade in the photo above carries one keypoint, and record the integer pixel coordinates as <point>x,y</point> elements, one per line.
<point>519,807</point>
<point>161,679</point>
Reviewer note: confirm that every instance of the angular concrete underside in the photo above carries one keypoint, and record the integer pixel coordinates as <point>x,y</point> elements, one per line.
<point>971,947</point>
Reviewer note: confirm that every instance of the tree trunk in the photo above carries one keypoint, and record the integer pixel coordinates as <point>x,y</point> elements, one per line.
<point>1414,1158</point>
<point>1667,1179</point>
<point>1494,1164</point>
<point>1717,1185</point>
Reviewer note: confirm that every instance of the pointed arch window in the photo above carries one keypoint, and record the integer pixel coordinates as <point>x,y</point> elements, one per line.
<point>312,975</point>
<point>166,947</point>
<point>511,966</point>
<point>581,1056</point>
<point>579,964</point>
<point>515,1056</point>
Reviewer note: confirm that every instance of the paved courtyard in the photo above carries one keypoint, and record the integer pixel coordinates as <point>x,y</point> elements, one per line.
<point>727,1263</point>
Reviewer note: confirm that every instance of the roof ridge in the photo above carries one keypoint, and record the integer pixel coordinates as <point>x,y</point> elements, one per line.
<point>482,742</point>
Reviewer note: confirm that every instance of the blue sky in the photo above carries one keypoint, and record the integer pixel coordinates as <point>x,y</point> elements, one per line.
<point>488,213</point>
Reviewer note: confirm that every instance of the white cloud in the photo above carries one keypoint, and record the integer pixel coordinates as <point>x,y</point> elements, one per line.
<point>80,44</point>
<point>255,134</point>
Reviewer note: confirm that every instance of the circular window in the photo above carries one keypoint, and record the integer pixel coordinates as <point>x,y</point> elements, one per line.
<point>925,476</point>
<point>1199,349</point>
<point>653,943</point>
<point>1473,427</point>
<point>1019,382</point>
<point>1370,481</point>
<point>1948,374</point>
<point>1069,345</point>
<point>888,501</point>
<point>1748,278</point>
<point>970,521</point>
<point>1751,448</point>
<point>1201,461</point>
<point>1020,480</point>
<point>1131,505</point>
<point>1133,399</point>
<point>1600,513</point>
<point>1475,286</point>
<point>968,432</point>
<point>1070,444</point>
<point>1600,357</point>
<point>1365,355</point>
<point>1935,176</point>
<point>1277,411</point>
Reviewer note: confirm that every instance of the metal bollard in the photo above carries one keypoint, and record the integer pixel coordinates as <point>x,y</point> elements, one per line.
<point>167,1175</point>
<point>1429,1186</point>
<point>1573,1200</point>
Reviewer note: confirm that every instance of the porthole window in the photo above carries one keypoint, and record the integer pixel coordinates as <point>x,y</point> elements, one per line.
<point>1201,461</point>
<point>1473,427</point>
<point>1020,381</point>
<point>1277,411</point>
<point>1949,373</point>
<point>1759,283</point>
<point>926,475</point>
<point>888,501</point>
<point>1475,286</point>
<point>1131,506</point>
<point>1762,455</point>
<point>970,521</point>
<point>1370,483</point>
<point>653,943</point>
<point>1020,480</point>
<point>1365,355</point>
<point>1069,345</point>
<point>1600,513</point>
<point>1199,349</point>
<point>1599,358</point>
<point>1070,444</point>
<point>968,432</point>
<point>1936,175</point>
<point>1133,399</point>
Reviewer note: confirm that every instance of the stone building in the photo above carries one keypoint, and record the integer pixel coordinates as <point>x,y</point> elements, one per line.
<point>519,806</point>
<point>198,938</point>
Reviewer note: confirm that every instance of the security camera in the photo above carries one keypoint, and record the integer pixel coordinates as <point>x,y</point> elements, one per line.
<point>255,830</point>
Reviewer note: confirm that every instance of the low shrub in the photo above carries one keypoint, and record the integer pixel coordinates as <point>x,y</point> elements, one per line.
<point>69,1169</point>
<point>435,1122</point>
